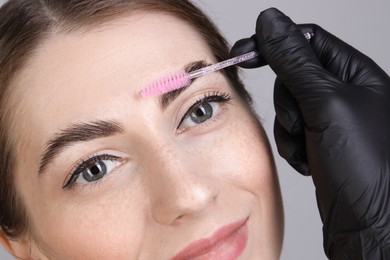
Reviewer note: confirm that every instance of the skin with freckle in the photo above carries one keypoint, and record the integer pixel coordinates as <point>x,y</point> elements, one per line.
<point>172,184</point>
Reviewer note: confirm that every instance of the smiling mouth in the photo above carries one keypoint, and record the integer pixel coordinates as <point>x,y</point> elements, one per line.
<point>226,243</point>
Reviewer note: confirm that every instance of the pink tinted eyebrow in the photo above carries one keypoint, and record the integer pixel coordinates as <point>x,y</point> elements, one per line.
<point>170,96</point>
<point>166,84</point>
<point>172,81</point>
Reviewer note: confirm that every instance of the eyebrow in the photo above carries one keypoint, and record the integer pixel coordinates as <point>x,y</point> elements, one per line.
<point>80,132</point>
<point>169,97</point>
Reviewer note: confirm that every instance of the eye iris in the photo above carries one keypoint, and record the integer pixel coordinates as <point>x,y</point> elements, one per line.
<point>202,113</point>
<point>95,171</point>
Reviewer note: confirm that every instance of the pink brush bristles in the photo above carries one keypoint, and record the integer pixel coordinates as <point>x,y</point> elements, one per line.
<point>166,84</point>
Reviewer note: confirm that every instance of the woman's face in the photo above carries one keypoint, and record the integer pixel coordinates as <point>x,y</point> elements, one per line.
<point>127,177</point>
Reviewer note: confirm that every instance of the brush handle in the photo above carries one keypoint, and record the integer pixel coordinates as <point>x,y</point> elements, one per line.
<point>223,64</point>
<point>232,61</point>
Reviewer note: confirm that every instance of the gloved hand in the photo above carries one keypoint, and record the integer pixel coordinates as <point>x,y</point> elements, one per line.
<point>332,121</point>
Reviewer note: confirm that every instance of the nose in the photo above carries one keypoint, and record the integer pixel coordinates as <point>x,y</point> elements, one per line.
<point>181,188</point>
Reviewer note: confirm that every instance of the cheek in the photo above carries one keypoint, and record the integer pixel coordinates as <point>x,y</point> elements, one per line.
<point>243,156</point>
<point>115,222</point>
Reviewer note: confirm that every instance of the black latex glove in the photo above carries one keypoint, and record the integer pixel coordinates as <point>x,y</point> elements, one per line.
<point>332,121</point>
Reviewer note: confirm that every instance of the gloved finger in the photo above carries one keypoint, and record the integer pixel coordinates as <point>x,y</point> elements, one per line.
<point>289,54</point>
<point>244,46</point>
<point>287,110</point>
<point>342,60</point>
<point>292,148</point>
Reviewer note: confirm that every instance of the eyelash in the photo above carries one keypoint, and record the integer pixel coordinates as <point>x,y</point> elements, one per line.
<point>216,97</point>
<point>83,165</point>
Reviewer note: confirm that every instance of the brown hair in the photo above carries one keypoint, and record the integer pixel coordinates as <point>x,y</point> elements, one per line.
<point>24,24</point>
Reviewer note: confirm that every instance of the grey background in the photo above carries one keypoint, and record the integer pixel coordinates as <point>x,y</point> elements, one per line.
<point>361,23</point>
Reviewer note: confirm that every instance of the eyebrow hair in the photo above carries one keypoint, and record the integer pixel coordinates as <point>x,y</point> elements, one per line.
<point>169,97</point>
<point>80,132</point>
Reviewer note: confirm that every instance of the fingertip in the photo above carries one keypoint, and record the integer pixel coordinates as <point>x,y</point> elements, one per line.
<point>302,168</point>
<point>284,47</point>
<point>271,13</point>
<point>291,148</point>
<point>272,22</point>
<point>287,110</point>
<point>244,46</point>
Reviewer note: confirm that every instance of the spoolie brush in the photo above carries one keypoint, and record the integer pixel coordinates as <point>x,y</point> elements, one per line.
<point>182,78</point>
<point>166,84</point>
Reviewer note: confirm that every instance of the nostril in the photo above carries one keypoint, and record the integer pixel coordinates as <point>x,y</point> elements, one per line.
<point>178,219</point>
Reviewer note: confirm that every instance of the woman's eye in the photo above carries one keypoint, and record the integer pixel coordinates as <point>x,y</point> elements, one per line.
<point>203,110</point>
<point>92,170</point>
<point>202,113</point>
<point>96,170</point>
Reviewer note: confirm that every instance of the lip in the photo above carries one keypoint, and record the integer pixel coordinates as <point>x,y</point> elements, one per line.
<point>226,243</point>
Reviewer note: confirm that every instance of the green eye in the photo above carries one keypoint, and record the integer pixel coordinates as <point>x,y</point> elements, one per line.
<point>202,113</point>
<point>95,171</point>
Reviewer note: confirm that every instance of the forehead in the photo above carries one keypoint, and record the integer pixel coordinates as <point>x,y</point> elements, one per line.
<point>105,63</point>
<point>142,42</point>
